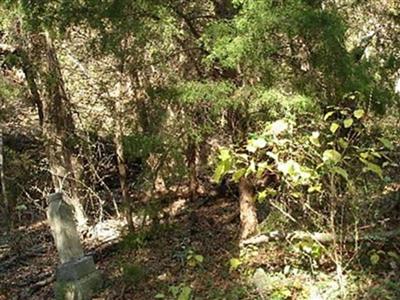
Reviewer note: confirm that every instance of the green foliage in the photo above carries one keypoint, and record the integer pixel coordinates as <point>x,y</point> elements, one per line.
<point>234,264</point>
<point>193,259</point>
<point>133,274</point>
<point>141,146</point>
<point>313,161</point>
<point>134,241</point>
<point>213,94</point>
<point>179,292</point>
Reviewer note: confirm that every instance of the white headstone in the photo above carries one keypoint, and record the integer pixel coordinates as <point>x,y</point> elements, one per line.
<point>62,223</point>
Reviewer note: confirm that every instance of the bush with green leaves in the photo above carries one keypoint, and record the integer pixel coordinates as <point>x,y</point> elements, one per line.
<point>320,163</point>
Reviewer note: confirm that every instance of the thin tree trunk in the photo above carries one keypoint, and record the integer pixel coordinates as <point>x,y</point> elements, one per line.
<point>59,131</point>
<point>7,209</point>
<point>248,214</point>
<point>122,171</point>
<point>30,76</point>
<point>191,162</point>
<point>123,178</point>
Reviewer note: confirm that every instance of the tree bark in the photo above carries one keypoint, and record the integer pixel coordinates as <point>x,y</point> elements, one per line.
<point>119,150</point>
<point>191,162</point>
<point>7,208</point>
<point>30,76</point>
<point>59,130</point>
<point>248,214</point>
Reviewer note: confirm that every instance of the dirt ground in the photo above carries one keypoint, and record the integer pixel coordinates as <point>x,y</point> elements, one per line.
<point>140,266</point>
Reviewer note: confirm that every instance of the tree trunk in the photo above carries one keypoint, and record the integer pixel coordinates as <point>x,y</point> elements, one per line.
<point>118,140</point>
<point>119,149</point>
<point>248,214</point>
<point>7,208</point>
<point>30,76</point>
<point>59,130</point>
<point>191,162</point>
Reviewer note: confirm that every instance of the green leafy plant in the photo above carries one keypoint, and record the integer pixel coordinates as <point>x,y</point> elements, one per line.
<point>193,259</point>
<point>133,274</point>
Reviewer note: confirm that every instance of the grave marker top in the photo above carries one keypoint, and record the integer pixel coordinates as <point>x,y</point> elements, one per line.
<point>62,223</point>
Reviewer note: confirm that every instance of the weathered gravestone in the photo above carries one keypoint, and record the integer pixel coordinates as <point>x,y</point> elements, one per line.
<point>77,276</point>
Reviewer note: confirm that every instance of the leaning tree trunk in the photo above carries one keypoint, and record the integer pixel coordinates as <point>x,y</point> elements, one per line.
<point>191,164</point>
<point>248,214</point>
<point>123,177</point>
<point>58,131</point>
<point>119,150</point>
<point>31,78</point>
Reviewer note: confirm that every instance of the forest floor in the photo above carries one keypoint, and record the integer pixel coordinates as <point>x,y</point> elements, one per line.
<point>194,251</point>
<point>192,248</point>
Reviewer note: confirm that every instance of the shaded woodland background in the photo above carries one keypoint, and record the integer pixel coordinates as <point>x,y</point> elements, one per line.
<point>204,145</point>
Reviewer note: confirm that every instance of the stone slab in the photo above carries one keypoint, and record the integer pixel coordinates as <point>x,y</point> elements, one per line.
<point>81,289</point>
<point>61,219</point>
<point>75,269</point>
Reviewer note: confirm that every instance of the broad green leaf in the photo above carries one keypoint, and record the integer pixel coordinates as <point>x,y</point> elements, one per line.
<point>261,167</point>
<point>296,195</point>
<point>342,172</point>
<point>376,154</point>
<point>307,248</point>
<point>185,293</point>
<point>262,196</point>
<point>254,144</point>
<point>174,290</point>
<point>279,127</point>
<point>388,144</point>
<point>334,126</point>
<point>314,138</point>
<point>273,155</point>
<point>260,143</point>
<point>159,296</point>
<point>314,188</point>
<point>331,156</point>
<point>342,143</point>
<point>329,114</point>
<point>271,192</point>
<point>238,174</point>
<point>251,169</point>
<point>225,154</point>
<point>221,170</point>
<point>234,263</point>
<point>359,113</point>
<point>242,156</point>
<point>305,173</point>
<point>373,167</point>
<point>267,192</point>
<point>348,122</point>
<point>251,148</point>
<point>374,258</point>
<point>199,258</point>
<point>289,167</point>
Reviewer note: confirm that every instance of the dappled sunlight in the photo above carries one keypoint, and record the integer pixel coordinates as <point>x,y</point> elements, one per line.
<point>190,150</point>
